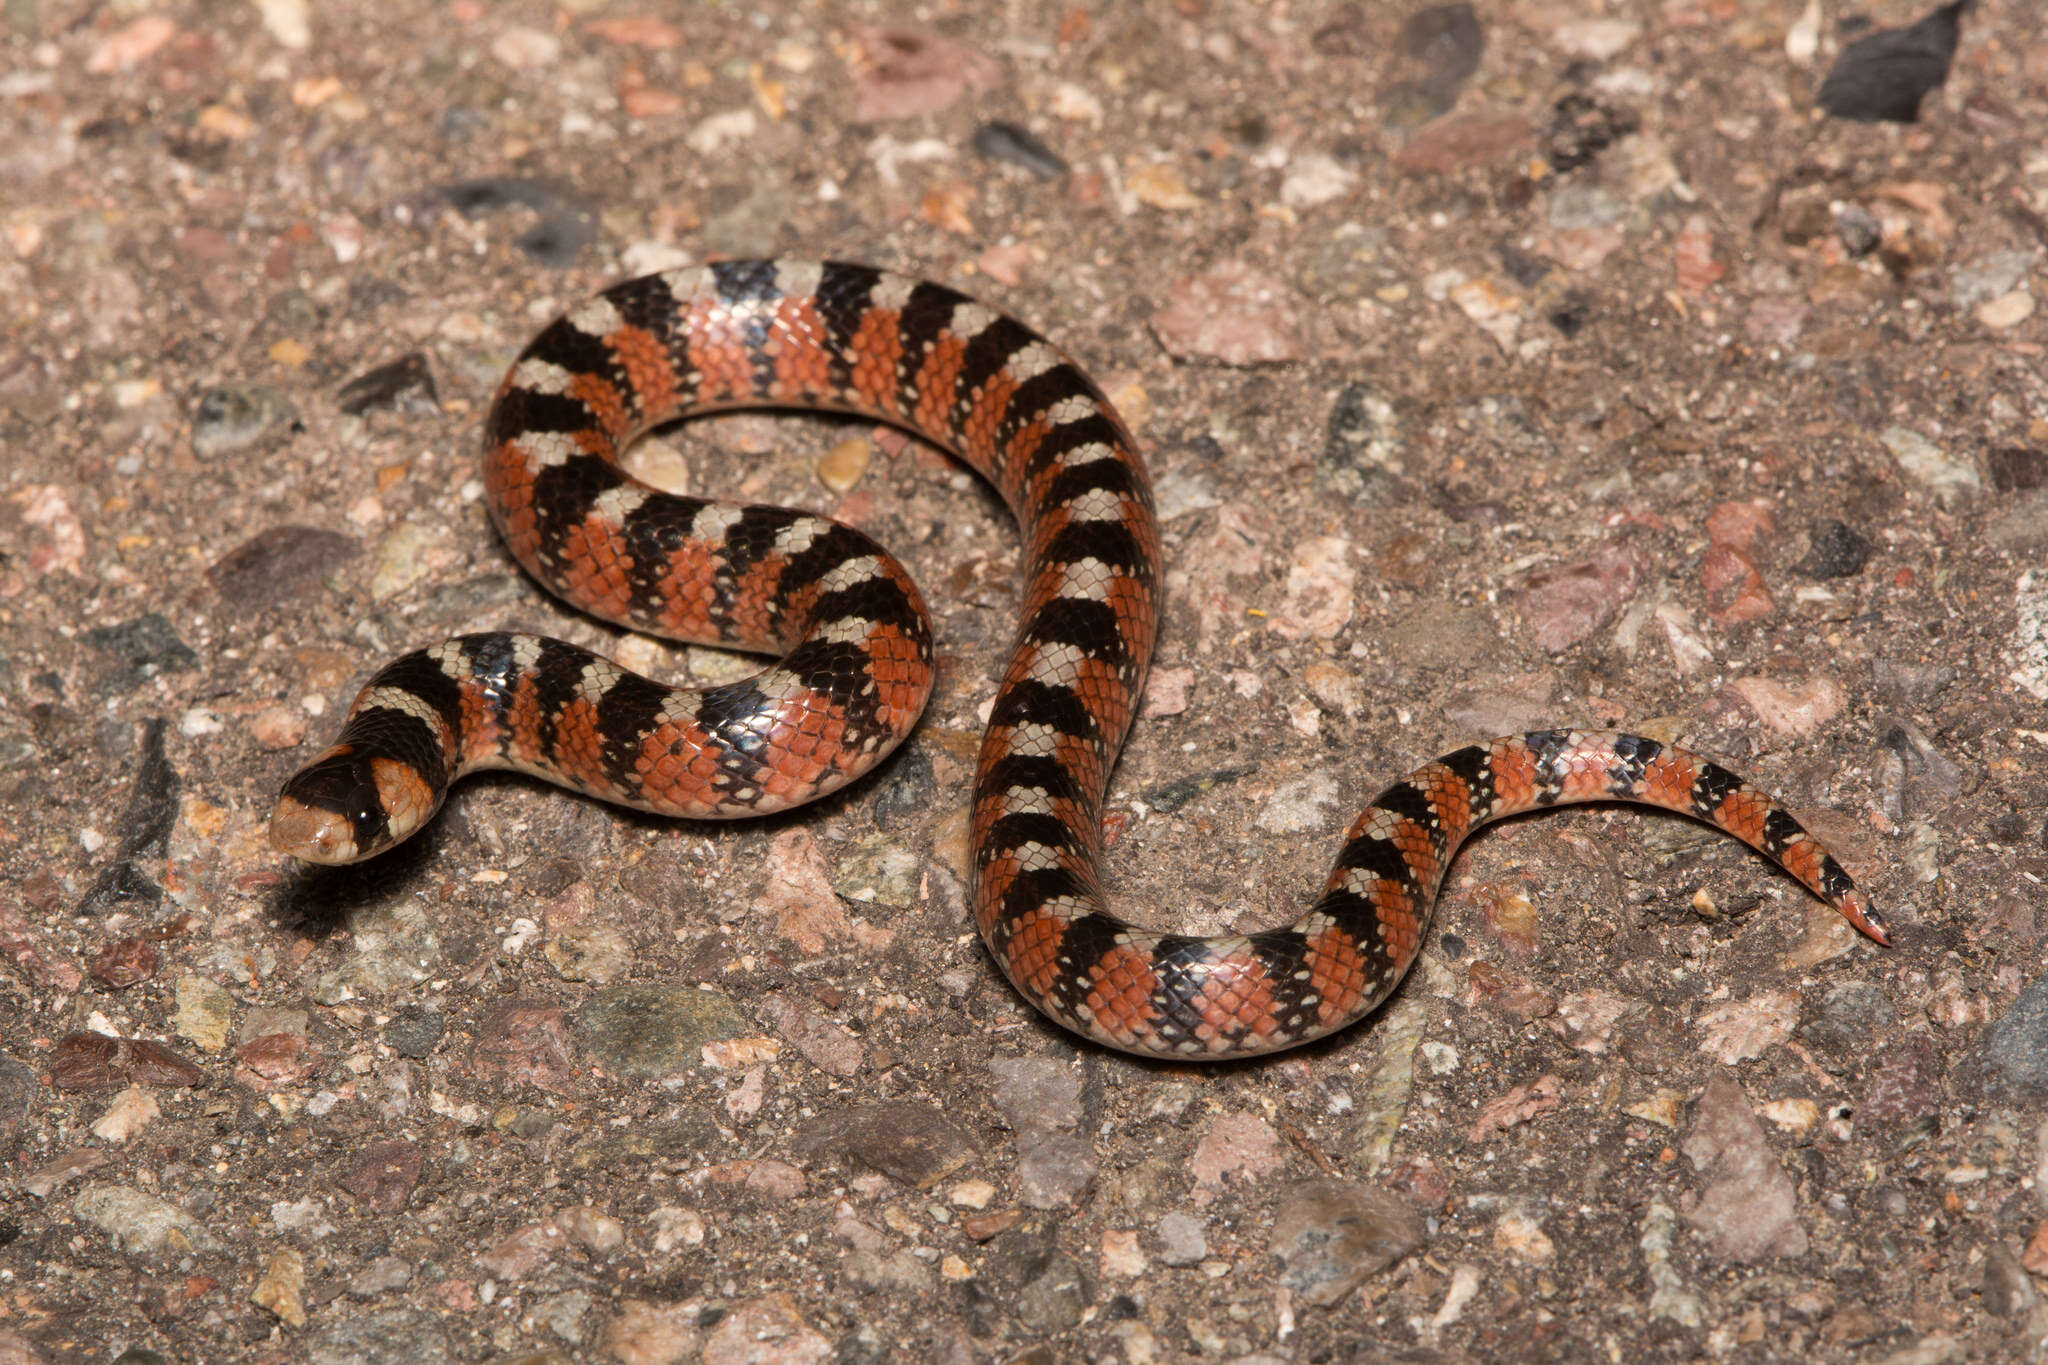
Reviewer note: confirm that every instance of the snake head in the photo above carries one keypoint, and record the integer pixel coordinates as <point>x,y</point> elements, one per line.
<point>347,805</point>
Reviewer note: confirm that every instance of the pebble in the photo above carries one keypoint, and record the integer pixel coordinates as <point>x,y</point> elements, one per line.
<point>1036,1092</point>
<point>21,1094</point>
<point>825,1044</point>
<point>141,1224</point>
<point>1741,1030</point>
<point>2021,527</point>
<point>414,1032</point>
<point>1464,141</point>
<point>273,1060</point>
<point>1445,42</point>
<point>648,1333</point>
<point>1302,805</point>
<point>903,72</point>
<point>55,1175</point>
<point>1670,1300</point>
<point>205,1012</point>
<point>563,1315</point>
<point>1851,1015</point>
<point>519,1254</point>
<point>1748,1209</point>
<point>278,727</point>
<point>279,564</point>
<point>1989,277</point>
<point>523,48</point>
<point>1237,1147</point>
<point>900,1273</point>
<point>910,1141</point>
<point>526,1042</point>
<point>1518,1233</point>
<point>2017,1045</point>
<point>764,1331</point>
<point>1018,146</point>
<point>123,963</point>
<point>841,467</point>
<point>386,1174</point>
<point>132,1110</point>
<point>137,650</point>
<point>395,947</point>
<point>402,385</point>
<point>1056,1299</point>
<point>592,1229</point>
<point>2008,1292</point>
<point>231,419</point>
<point>1567,604</point>
<point>1882,77</point>
<point>1183,1239</point>
<point>1232,314</point>
<point>2007,310</point>
<point>282,1287</point>
<point>1596,40</point>
<point>93,1061</point>
<point>1160,185</point>
<point>1798,712</point>
<point>1364,445</point>
<point>412,1335</point>
<point>381,1275</point>
<point>1835,551</point>
<point>1319,591</point>
<point>1053,1169</point>
<point>1314,179</point>
<point>596,953</point>
<point>2017,469</point>
<point>1947,476</point>
<point>1331,1236</point>
<point>2029,640</point>
<point>566,225</point>
<point>877,870</point>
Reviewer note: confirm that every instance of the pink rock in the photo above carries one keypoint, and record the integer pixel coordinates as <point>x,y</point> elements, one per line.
<point>1735,590</point>
<point>1776,320</point>
<point>528,1042</point>
<point>522,1253</point>
<point>1738,523</point>
<point>1449,145</point>
<point>1748,1210</point>
<point>1233,314</point>
<point>904,72</point>
<point>1697,269</point>
<point>1798,712</point>
<point>1566,604</point>
<point>765,1331</point>
<point>1239,1145</point>
<point>823,1043</point>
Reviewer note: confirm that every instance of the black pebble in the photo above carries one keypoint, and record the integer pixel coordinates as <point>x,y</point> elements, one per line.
<point>999,141</point>
<point>1882,78</point>
<point>566,226</point>
<point>1837,552</point>
<point>414,1032</point>
<point>404,384</point>
<point>138,649</point>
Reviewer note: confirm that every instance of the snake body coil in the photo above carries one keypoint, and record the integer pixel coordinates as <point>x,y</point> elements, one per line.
<point>856,668</point>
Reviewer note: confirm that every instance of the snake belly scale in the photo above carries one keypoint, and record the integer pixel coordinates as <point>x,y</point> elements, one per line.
<point>856,655</point>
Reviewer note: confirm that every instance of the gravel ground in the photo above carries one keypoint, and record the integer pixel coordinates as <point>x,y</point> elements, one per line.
<point>1500,366</point>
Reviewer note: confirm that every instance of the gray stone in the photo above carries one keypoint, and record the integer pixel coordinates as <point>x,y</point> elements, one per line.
<point>653,1030</point>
